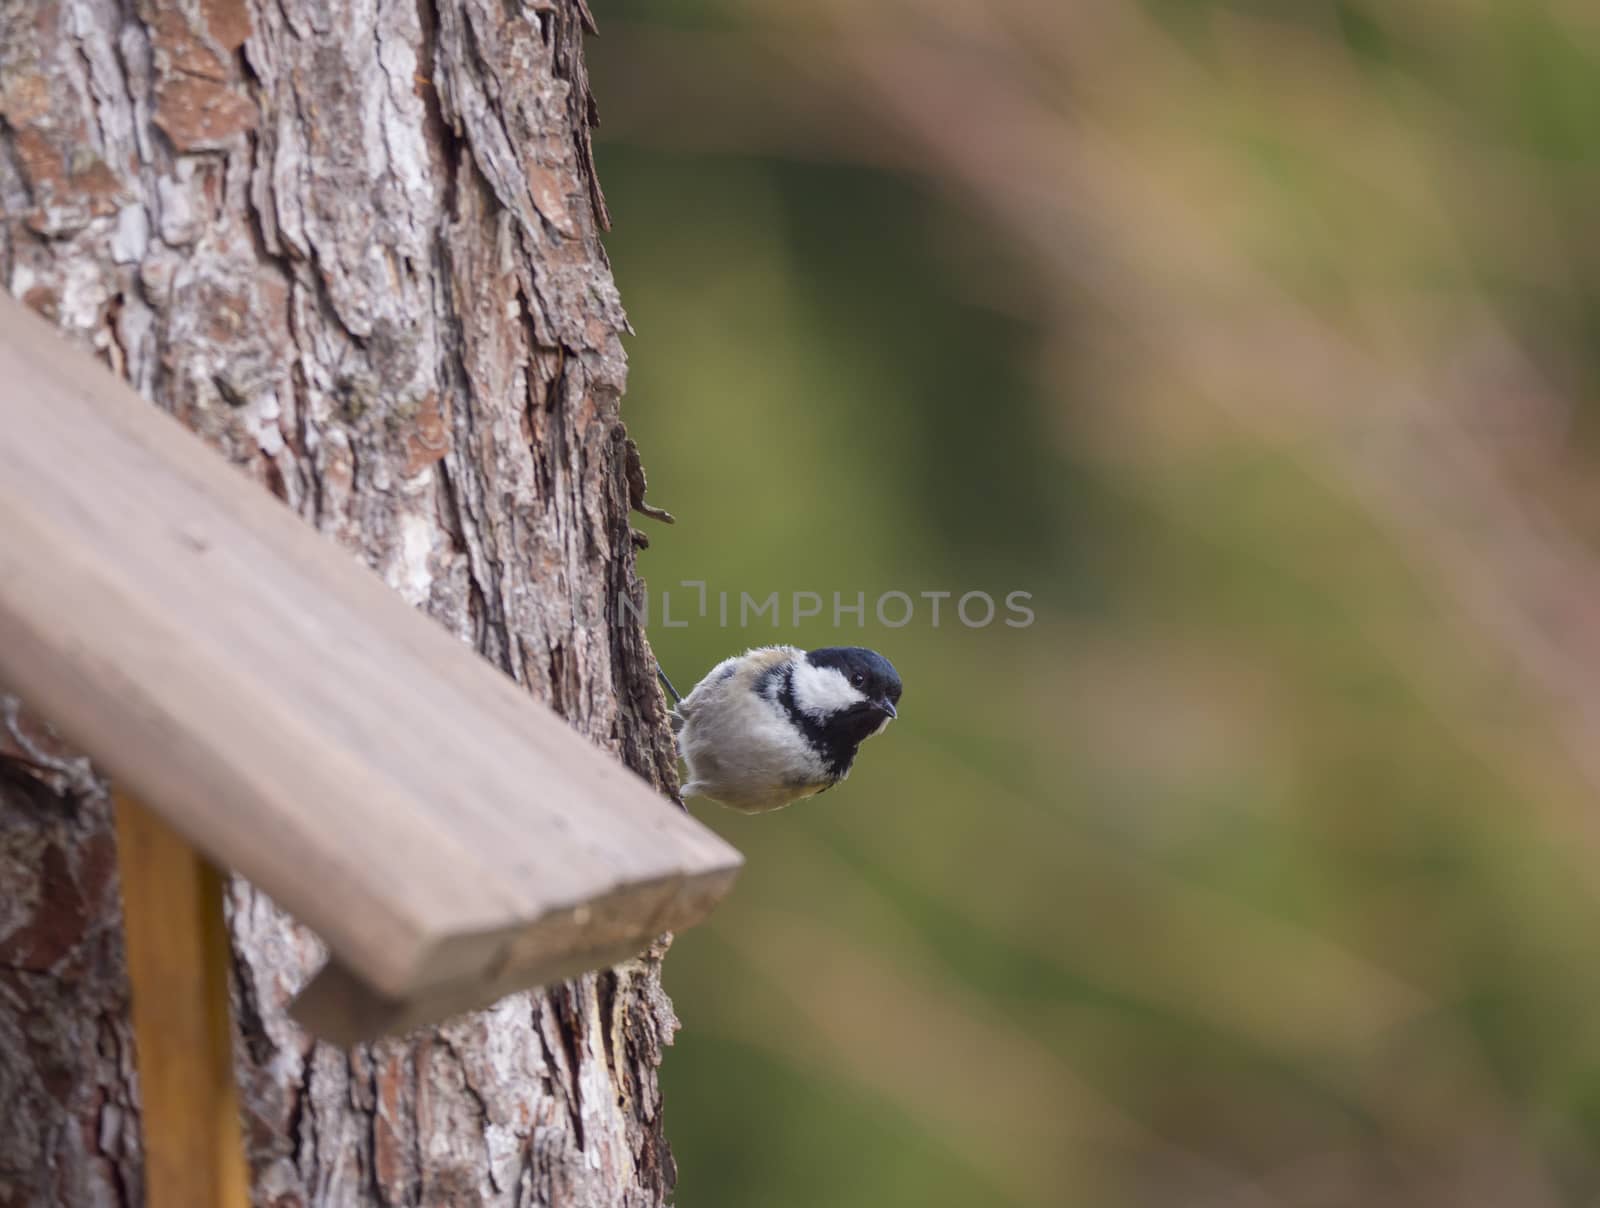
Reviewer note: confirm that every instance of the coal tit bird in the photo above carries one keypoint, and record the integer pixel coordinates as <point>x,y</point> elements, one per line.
<point>775,724</point>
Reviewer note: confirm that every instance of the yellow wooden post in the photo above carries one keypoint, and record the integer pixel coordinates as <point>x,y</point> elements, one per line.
<point>178,957</point>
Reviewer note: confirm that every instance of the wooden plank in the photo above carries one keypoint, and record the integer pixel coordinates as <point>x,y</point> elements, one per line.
<point>295,718</point>
<point>341,1008</point>
<point>178,960</point>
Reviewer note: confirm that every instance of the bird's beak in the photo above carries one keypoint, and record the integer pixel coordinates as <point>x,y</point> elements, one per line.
<point>887,706</point>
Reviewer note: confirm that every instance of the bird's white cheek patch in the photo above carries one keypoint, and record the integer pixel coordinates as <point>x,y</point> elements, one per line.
<point>823,690</point>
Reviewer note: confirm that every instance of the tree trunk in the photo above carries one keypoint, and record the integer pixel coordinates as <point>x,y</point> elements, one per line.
<point>359,253</point>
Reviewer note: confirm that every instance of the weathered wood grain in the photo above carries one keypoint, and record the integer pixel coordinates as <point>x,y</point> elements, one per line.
<point>276,702</point>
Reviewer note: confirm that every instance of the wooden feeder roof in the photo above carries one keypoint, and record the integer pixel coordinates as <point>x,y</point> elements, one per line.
<point>448,836</point>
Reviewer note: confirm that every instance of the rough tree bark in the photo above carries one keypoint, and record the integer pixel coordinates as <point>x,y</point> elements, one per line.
<point>359,251</point>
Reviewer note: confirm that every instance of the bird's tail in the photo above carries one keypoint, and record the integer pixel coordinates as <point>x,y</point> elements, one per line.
<point>674,714</point>
<point>671,691</point>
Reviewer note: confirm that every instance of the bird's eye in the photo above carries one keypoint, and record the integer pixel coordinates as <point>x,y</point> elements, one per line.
<point>858,679</point>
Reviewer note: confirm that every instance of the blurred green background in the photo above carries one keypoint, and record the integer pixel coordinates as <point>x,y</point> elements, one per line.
<point>1258,342</point>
